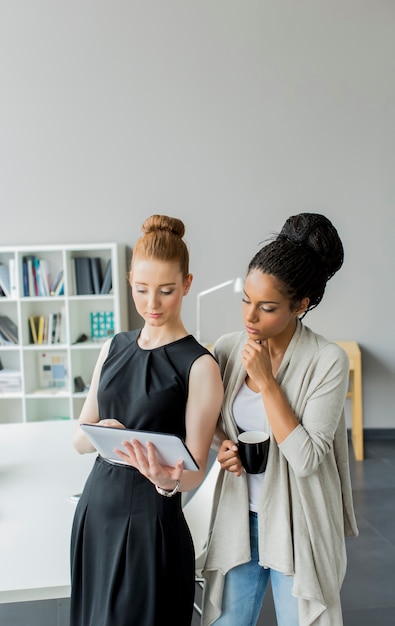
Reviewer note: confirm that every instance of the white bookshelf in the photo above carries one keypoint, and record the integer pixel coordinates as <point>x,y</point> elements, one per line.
<point>31,402</point>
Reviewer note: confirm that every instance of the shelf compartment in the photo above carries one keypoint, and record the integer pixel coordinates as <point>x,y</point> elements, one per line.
<point>80,309</point>
<point>54,261</point>
<point>83,361</point>
<point>43,307</point>
<point>11,409</point>
<point>84,276</point>
<point>46,370</point>
<point>47,408</point>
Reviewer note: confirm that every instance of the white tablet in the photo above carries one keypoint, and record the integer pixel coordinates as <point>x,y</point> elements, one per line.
<point>170,448</point>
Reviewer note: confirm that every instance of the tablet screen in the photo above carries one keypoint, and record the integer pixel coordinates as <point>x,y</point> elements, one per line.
<point>170,448</point>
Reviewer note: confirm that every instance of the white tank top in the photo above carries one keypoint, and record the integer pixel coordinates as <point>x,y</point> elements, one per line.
<point>249,413</point>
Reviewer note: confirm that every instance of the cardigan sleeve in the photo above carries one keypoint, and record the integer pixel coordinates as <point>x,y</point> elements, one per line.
<point>323,391</point>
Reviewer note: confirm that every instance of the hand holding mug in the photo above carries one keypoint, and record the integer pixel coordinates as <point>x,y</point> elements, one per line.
<point>254,450</point>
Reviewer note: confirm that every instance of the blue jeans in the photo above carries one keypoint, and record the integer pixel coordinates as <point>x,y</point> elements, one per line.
<point>245,588</point>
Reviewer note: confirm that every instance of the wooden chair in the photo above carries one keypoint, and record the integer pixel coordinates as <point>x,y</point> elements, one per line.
<point>355,394</point>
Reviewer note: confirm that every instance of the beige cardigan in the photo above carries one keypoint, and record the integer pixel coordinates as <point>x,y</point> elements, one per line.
<point>306,506</point>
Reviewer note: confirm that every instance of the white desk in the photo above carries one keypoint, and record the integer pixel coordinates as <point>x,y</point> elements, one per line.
<point>39,470</point>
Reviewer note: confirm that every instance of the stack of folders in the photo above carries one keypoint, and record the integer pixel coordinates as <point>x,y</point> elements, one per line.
<point>10,381</point>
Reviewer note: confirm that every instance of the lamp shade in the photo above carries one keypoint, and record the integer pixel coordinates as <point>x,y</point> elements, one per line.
<point>237,288</point>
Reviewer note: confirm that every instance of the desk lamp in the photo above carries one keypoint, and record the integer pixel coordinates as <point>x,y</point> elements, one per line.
<point>237,288</point>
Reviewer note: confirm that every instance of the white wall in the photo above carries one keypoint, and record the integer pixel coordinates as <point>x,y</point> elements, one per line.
<point>229,114</point>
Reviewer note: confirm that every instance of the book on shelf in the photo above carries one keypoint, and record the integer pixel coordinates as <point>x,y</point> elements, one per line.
<point>12,272</point>
<point>83,275</point>
<point>33,326</point>
<point>53,370</point>
<point>50,335</point>
<point>42,277</point>
<point>107,280</point>
<point>97,274</point>
<point>60,331</point>
<point>38,282</point>
<point>40,330</point>
<point>8,329</point>
<point>58,284</point>
<point>29,279</point>
<point>25,278</point>
<point>5,280</point>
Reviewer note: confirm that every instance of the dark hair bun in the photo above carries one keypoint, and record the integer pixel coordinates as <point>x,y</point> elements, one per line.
<point>164,222</point>
<point>316,232</point>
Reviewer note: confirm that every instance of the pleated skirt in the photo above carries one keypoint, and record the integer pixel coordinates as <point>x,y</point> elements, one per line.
<point>132,555</point>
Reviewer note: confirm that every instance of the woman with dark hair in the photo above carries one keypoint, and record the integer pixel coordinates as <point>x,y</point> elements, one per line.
<point>286,525</point>
<point>132,556</point>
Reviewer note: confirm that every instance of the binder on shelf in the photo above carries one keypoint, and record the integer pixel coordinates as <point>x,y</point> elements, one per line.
<point>5,280</point>
<point>12,272</point>
<point>97,275</point>
<point>107,280</point>
<point>83,275</point>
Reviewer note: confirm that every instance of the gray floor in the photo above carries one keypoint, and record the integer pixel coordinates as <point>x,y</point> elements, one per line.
<point>368,593</point>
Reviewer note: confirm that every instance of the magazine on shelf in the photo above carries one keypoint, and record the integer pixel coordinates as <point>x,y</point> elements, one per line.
<point>53,370</point>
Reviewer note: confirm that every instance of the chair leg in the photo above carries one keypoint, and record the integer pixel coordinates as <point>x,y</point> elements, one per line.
<point>197,608</point>
<point>357,419</point>
<point>199,581</point>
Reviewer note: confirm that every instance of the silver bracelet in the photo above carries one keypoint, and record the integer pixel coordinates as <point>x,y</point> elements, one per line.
<point>168,494</point>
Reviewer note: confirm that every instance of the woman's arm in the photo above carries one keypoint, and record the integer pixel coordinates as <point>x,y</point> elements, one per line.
<point>90,410</point>
<point>308,444</point>
<point>205,396</point>
<point>306,438</point>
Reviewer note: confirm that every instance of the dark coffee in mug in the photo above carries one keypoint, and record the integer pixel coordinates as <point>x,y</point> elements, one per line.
<point>254,450</point>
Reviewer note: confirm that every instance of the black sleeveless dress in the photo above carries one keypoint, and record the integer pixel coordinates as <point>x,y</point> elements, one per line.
<point>132,556</point>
